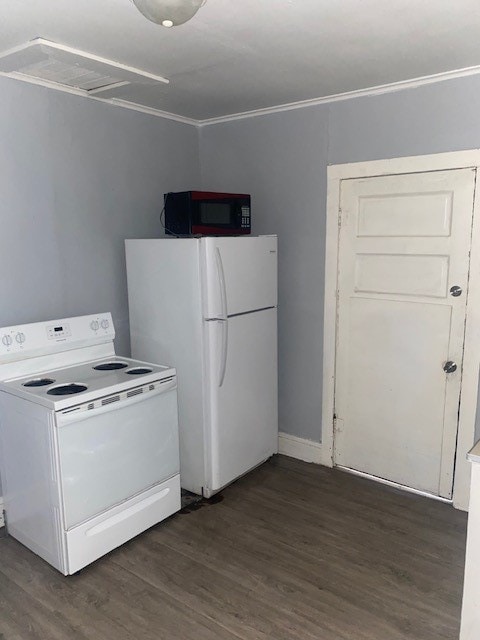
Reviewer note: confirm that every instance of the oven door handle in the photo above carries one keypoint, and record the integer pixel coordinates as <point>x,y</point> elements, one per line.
<point>68,416</point>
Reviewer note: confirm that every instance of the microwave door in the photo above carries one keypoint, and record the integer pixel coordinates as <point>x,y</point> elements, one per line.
<point>239,275</point>
<point>216,214</point>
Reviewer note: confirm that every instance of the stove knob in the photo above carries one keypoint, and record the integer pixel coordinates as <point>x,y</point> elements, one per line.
<point>105,324</point>
<point>94,325</point>
<point>20,337</point>
<point>7,340</point>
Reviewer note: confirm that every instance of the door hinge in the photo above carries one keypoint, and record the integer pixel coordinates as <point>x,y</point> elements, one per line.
<point>337,424</point>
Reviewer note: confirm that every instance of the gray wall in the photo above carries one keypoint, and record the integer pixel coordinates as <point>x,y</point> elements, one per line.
<point>281,159</point>
<point>76,178</point>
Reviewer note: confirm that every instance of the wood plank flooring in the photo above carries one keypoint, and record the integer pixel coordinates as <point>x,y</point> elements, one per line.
<point>294,551</point>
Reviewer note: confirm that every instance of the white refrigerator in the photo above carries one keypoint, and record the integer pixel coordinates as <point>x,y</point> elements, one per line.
<point>208,306</point>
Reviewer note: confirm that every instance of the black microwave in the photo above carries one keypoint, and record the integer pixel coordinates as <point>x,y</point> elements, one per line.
<point>207,213</point>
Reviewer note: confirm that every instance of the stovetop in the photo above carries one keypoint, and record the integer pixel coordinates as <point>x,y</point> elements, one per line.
<point>68,386</point>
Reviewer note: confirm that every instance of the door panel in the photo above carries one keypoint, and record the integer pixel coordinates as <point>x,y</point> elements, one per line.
<point>390,439</point>
<point>404,241</point>
<point>248,267</point>
<point>408,274</point>
<point>409,214</point>
<point>244,406</point>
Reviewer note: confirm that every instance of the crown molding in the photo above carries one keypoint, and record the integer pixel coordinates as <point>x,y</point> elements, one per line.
<point>348,95</point>
<point>291,106</point>
<point>115,102</point>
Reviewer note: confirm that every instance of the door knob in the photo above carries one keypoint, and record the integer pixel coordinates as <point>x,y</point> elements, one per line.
<point>449,366</point>
<point>456,291</point>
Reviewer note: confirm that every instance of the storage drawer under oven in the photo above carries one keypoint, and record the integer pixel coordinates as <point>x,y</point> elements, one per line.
<point>111,453</point>
<point>105,532</point>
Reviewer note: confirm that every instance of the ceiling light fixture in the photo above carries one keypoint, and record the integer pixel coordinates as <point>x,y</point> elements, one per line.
<point>169,13</point>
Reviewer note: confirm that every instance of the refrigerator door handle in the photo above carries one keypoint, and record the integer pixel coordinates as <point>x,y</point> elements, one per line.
<point>223,360</point>
<point>221,280</point>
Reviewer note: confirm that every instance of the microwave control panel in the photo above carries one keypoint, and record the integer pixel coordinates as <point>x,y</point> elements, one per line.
<point>245,217</point>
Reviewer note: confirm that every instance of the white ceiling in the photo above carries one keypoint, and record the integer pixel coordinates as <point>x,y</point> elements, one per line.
<point>242,55</point>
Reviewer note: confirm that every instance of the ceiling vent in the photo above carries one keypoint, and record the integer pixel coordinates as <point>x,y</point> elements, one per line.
<point>62,67</point>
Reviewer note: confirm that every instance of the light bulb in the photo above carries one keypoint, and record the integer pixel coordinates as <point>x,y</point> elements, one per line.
<point>168,13</point>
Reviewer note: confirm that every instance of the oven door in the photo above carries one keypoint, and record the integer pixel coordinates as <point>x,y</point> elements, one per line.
<point>109,454</point>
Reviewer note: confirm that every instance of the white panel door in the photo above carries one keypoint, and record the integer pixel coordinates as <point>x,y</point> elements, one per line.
<point>404,243</point>
<point>242,373</point>
<point>239,274</point>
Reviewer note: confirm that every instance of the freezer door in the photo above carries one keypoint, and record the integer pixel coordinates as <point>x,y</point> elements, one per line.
<point>238,275</point>
<point>243,395</point>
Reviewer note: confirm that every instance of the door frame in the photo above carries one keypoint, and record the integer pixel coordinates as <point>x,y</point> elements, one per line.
<point>471,359</point>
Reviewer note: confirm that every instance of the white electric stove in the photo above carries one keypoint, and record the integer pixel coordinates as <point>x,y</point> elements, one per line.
<point>88,440</point>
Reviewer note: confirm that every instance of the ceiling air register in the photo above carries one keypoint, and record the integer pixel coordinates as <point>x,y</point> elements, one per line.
<point>59,66</point>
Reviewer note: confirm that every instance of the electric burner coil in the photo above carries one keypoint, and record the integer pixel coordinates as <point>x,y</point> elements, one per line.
<point>67,389</point>
<point>138,371</point>
<point>110,366</point>
<point>38,382</point>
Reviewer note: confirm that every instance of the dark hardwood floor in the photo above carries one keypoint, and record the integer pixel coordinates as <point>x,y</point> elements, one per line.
<point>293,551</point>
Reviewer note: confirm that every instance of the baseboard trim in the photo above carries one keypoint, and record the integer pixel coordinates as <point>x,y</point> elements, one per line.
<point>300,448</point>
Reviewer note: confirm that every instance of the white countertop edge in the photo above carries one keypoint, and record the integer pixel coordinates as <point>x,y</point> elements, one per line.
<point>474,454</point>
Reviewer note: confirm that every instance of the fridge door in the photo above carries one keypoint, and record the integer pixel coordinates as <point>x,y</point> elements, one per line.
<point>242,375</point>
<point>238,275</point>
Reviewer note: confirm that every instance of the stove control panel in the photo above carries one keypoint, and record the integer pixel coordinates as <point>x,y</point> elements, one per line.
<point>101,324</point>
<point>56,331</point>
<point>29,340</point>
